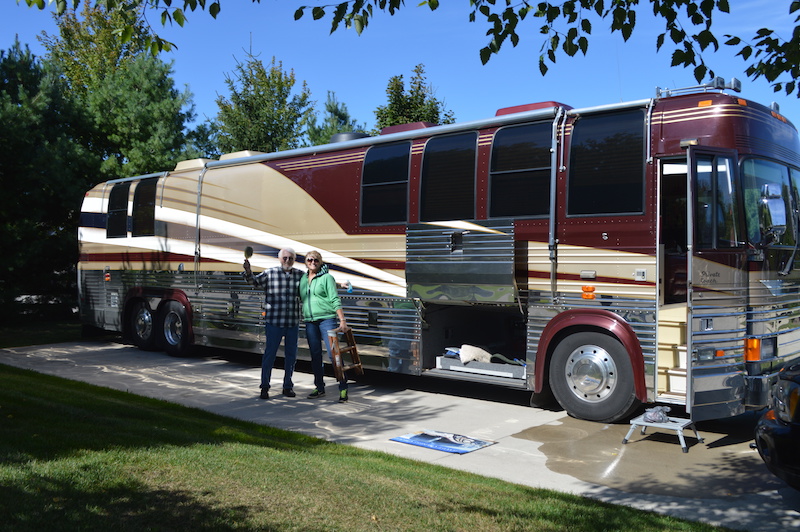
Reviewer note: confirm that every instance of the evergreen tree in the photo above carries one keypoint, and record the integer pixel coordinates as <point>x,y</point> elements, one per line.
<point>336,120</point>
<point>261,113</point>
<point>129,94</point>
<point>419,104</point>
<point>45,168</point>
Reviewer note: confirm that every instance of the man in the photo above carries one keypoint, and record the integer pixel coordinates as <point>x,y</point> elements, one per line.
<point>282,317</point>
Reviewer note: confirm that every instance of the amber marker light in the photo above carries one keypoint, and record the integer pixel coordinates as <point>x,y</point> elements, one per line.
<point>704,103</point>
<point>588,292</point>
<point>752,349</point>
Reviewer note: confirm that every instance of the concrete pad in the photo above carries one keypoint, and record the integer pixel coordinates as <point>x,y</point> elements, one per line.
<point>720,481</point>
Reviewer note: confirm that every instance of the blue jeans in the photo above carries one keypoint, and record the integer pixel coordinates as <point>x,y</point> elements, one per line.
<point>316,333</point>
<point>273,336</point>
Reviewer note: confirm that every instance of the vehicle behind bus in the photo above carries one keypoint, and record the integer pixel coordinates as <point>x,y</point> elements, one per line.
<point>613,256</point>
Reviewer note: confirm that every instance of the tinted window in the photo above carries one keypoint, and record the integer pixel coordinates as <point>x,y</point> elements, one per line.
<point>716,222</point>
<point>448,178</point>
<point>606,164</point>
<point>144,208</point>
<point>520,171</point>
<point>768,202</point>
<point>384,185</point>
<point>117,225</point>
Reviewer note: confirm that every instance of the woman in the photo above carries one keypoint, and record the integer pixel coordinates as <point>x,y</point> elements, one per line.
<point>322,310</point>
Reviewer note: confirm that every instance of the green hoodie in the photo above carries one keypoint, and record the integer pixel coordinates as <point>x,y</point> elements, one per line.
<point>320,297</point>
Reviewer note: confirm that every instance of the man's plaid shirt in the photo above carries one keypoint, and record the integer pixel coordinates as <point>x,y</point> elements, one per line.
<point>281,291</point>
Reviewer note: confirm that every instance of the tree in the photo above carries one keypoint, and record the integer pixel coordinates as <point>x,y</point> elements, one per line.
<point>89,46</point>
<point>46,166</point>
<point>565,27</point>
<point>203,141</point>
<point>336,120</point>
<point>141,117</point>
<point>138,114</point>
<point>261,113</point>
<point>419,104</point>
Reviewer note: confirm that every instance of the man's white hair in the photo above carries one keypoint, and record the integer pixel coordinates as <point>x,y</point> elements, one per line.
<point>287,250</point>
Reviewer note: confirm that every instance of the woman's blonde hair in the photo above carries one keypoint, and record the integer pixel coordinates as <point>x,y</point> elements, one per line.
<point>314,254</point>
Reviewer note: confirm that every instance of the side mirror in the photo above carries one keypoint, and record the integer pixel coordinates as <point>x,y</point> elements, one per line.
<point>772,213</point>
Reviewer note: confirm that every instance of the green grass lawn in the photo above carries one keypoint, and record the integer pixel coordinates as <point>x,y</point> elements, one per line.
<point>35,333</point>
<point>79,457</point>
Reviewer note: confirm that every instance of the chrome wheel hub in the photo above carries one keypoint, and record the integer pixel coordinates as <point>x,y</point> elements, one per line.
<point>591,373</point>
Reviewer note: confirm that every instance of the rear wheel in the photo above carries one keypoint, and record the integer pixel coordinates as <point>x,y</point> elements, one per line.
<point>592,378</point>
<point>142,326</point>
<point>174,329</point>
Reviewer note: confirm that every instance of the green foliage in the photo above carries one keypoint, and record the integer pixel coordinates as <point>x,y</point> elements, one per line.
<point>419,104</point>
<point>335,120</point>
<point>261,113</point>
<point>202,141</point>
<point>45,168</point>
<point>565,27</point>
<point>89,46</point>
<point>140,118</point>
<point>128,94</point>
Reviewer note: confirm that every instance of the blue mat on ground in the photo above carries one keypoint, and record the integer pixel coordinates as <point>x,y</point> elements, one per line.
<point>443,441</point>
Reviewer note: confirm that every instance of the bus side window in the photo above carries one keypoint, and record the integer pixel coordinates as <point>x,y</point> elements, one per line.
<point>448,178</point>
<point>519,174</point>
<point>117,223</point>
<point>384,184</point>
<point>144,208</point>
<point>606,164</point>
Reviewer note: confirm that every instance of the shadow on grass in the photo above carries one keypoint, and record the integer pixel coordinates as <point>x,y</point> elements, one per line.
<point>58,418</point>
<point>49,503</point>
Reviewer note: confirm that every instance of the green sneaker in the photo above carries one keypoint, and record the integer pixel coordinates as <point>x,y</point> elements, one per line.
<point>342,396</point>
<point>316,393</point>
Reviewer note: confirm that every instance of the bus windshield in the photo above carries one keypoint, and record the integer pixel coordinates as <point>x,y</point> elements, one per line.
<point>769,203</point>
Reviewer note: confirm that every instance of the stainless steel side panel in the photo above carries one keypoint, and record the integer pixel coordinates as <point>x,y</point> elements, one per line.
<point>461,262</point>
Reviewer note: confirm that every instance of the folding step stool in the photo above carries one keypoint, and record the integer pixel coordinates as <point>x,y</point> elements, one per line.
<point>673,423</point>
<point>337,352</point>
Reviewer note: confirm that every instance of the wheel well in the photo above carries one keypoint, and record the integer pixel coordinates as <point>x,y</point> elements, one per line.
<point>602,319</point>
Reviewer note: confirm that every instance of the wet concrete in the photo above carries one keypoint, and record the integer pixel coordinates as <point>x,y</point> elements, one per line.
<point>723,465</point>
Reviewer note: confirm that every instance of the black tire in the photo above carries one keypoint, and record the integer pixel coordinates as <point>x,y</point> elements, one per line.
<point>544,399</point>
<point>142,326</point>
<point>592,378</point>
<point>173,329</point>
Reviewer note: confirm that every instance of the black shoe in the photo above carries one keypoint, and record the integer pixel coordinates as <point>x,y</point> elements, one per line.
<point>264,394</point>
<point>343,396</point>
<point>316,393</point>
<point>288,392</point>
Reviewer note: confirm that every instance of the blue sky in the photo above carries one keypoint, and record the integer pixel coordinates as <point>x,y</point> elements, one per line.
<point>357,68</point>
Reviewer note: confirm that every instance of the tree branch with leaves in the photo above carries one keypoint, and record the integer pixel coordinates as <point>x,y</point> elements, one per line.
<point>565,27</point>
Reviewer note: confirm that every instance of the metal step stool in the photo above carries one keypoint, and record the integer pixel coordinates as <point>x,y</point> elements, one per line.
<point>675,423</point>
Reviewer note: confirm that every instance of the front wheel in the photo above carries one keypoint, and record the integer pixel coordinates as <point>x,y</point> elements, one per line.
<point>174,329</point>
<point>592,378</point>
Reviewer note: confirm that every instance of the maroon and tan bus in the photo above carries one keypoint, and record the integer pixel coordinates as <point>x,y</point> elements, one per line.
<point>642,252</point>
